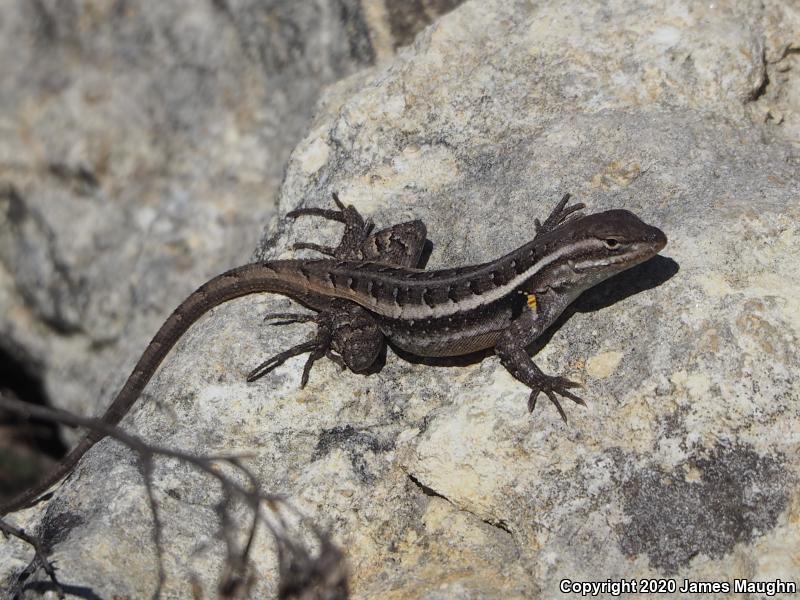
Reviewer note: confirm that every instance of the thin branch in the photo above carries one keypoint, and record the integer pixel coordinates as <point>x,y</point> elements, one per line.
<point>135,443</point>
<point>326,571</point>
<point>9,529</point>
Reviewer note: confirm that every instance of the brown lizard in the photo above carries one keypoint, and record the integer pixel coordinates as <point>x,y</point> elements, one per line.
<point>370,292</point>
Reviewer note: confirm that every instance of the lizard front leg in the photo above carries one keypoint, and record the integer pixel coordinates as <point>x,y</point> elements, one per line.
<point>511,348</point>
<point>317,347</point>
<point>346,333</point>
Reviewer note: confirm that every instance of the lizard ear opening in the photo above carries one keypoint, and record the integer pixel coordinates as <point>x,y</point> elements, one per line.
<point>611,243</point>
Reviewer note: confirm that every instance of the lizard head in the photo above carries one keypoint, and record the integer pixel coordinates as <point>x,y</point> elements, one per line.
<point>592,248</point>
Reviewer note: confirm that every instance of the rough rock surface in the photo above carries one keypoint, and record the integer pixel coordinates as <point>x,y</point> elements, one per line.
<point>143,145</point>
<point>434,477</point>
<point>142,148</point>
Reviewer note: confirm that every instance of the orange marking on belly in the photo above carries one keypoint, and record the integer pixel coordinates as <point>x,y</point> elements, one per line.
<point>532,302</point>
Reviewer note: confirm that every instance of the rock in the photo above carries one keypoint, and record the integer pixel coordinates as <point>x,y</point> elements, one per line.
<point>433,477</point>
<point>145,143</point>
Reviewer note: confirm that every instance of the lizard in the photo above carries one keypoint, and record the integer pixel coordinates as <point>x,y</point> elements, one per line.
<point>370,291</point>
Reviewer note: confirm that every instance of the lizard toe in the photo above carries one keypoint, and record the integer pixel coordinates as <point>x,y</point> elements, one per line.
<point>532,400</point>
<point>552,396</point>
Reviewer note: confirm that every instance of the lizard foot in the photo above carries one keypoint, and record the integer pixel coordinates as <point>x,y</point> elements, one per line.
<point>522,368</point>
<point>317,347</point>
<point>356,230</point>
<point>327,250</point>
<point>551,386</point>
<point>560,213</point>
<point>336,359</point>
<point>276,361</point>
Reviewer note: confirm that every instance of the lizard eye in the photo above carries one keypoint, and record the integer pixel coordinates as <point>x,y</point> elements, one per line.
<point>611,243</point>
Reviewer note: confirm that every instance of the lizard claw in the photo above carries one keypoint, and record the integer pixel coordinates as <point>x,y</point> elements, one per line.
<point>559,215</point>
<point>336,359</point>
<point>338,214</point>
<point>339,204</point>
<point>552,386</point>
<point>356,230</point>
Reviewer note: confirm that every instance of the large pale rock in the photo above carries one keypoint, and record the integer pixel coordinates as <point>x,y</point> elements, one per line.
<point>432,475</point>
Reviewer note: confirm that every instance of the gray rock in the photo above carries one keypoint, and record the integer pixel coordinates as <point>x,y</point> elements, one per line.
<point>143,144</point>
<point>434,478</point>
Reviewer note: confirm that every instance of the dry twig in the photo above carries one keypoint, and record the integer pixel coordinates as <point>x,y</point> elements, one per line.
<point>301,574</point>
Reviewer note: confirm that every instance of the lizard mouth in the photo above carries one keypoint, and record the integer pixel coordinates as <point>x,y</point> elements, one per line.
<point>643,252</point>
<point>635,255</point>
<point>657,238</point>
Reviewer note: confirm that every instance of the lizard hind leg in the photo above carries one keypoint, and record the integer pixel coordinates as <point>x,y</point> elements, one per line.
<point>400,245</point>
<point>355,335</point>
<point>559,215</point>
<point>356,229</point>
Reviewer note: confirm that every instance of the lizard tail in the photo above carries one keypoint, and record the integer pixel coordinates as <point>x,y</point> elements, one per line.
<point>241,281</point>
